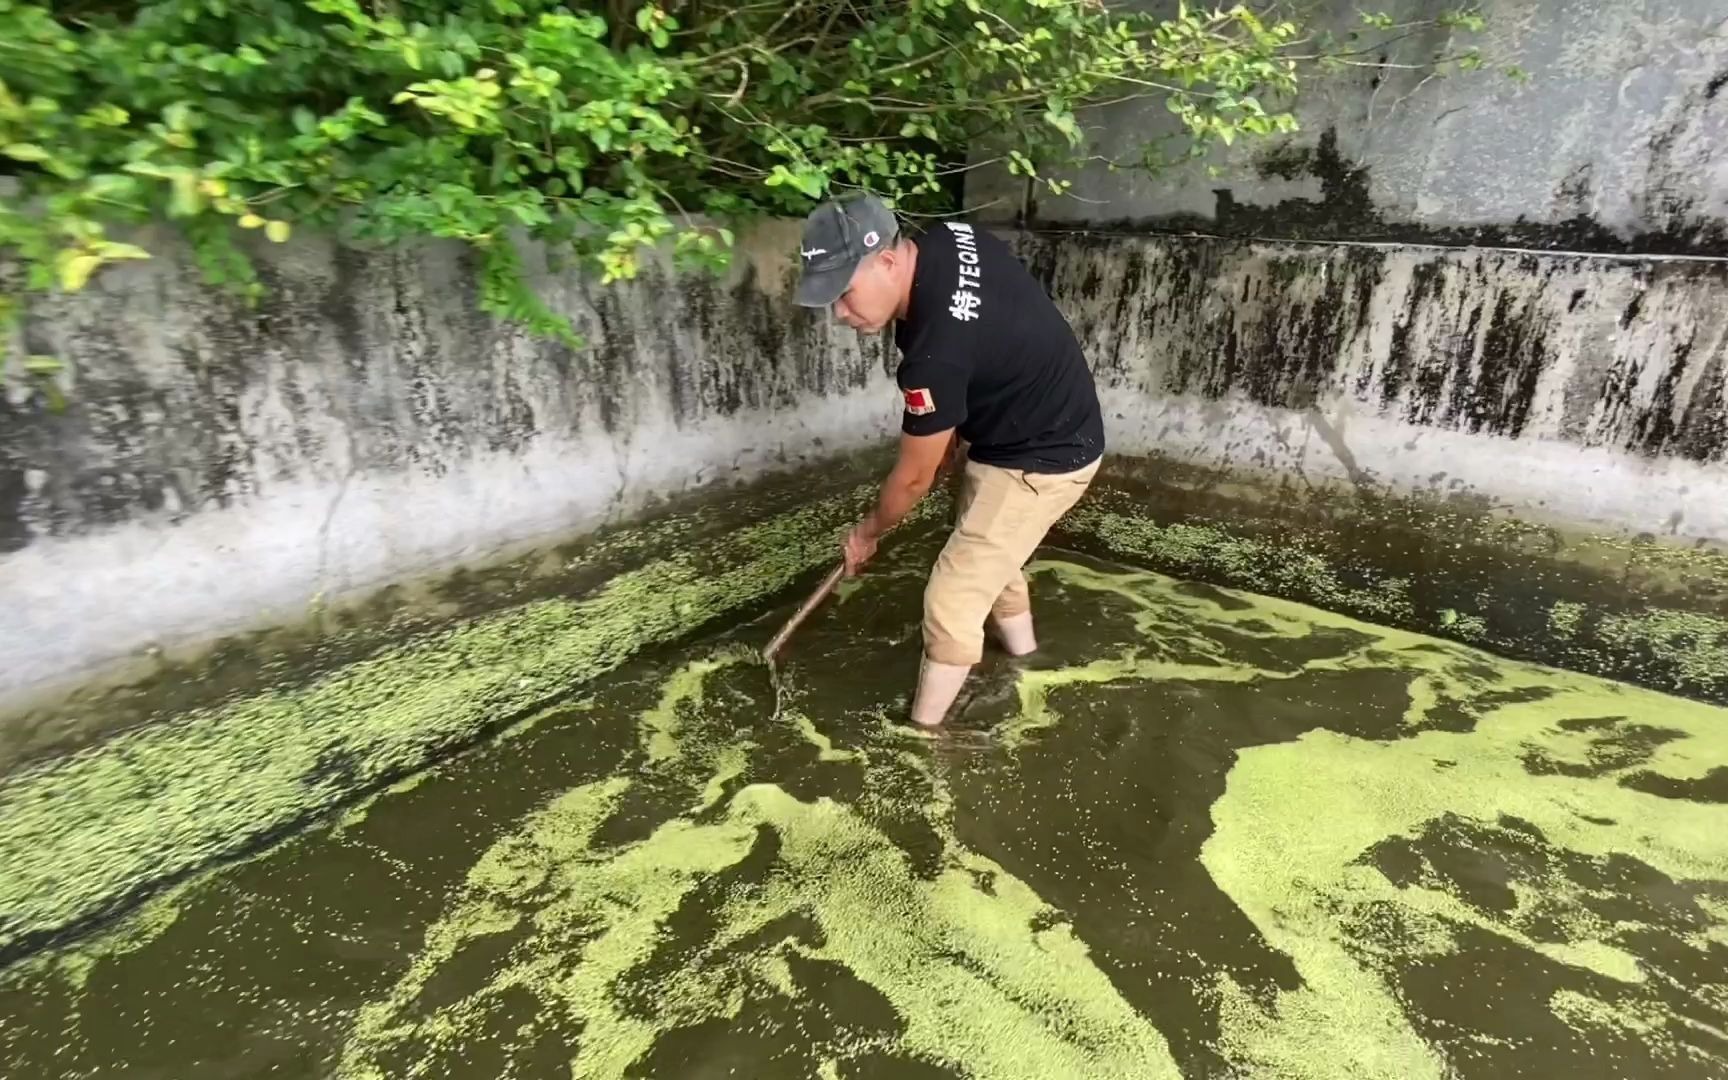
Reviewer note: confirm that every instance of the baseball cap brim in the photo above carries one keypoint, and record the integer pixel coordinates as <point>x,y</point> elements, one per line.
<point>820,288</point>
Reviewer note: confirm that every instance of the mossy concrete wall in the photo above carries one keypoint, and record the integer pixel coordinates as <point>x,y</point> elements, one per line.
<point>1588,391</point>
<point>221,469</point>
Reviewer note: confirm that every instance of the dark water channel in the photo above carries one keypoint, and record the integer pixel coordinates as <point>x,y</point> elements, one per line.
<point>1206,834</point>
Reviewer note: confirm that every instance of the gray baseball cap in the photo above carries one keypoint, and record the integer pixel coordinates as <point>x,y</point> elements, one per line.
<point>837,237</point>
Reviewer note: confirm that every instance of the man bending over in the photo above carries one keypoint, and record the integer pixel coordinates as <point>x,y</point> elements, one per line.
<point>987,363</point>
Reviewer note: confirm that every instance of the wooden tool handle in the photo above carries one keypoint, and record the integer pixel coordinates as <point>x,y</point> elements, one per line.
<point>821,594</point>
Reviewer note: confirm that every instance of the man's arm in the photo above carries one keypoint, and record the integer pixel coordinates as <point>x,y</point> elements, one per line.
<point>921,460</point>
<point>914,474</point>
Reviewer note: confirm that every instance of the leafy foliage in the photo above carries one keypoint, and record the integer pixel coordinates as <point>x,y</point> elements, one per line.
<point>600,129</point>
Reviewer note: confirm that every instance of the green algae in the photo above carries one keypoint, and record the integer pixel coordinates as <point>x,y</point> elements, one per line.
<point>1289,569</point>
<point>684,689</point>
<point>730,763</point>
<point>1176,623</point>
<point>981,980</point>
<point>718,900</point>
<point>1585,1013</point>
<point>981,974</point>
<point>1565,618</point>
<point>1666,648</point>
<point>1298,819</point>
<point>806,728</point>
<point>75,964</point>
<point>1691,643</point>
<point>81,834</point>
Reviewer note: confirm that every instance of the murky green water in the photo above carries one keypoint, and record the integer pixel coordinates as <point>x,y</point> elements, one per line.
<point>1206,835</point>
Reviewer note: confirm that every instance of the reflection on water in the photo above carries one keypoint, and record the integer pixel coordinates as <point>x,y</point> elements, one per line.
<point>1204,834</point>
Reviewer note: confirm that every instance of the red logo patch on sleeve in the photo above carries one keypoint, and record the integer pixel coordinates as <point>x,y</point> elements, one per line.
<point>920,402</point>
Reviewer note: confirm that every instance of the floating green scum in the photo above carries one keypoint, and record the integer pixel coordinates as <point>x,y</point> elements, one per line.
<point>1206,834</point>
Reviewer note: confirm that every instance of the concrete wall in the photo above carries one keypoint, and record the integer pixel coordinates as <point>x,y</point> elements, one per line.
<point>221,468</point>
<point>1348,311</point>
<point>1619,141</point>
<point>1583,390</point>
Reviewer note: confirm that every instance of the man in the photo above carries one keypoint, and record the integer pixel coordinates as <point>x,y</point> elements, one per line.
<point>988,360</point>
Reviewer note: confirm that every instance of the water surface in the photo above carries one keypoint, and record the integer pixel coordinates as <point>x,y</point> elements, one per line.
<point>1205,834</point>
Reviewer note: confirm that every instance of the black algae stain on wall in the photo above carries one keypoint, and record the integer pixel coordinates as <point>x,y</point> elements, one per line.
<point>1596,351</point>
<point>1346,210</point>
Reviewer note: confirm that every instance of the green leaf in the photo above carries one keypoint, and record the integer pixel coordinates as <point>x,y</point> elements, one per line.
<point>186,199</point>
<point>44,365</point>
<point>277,231</point>
<point>75,271</point>
<point>112,250</point>
<point>592,123</point>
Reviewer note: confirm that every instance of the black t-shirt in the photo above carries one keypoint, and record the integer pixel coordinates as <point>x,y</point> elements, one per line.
<point>985,350</point>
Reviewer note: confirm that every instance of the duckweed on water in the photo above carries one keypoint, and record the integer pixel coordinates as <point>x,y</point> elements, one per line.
<point>1282,569</point>
<point>1662,647</point>
<point>1297,829</point>
<point>1693,644</point>
<point>1299,823</point>
<point>977,985</point>
<point>984,978</point>
<point>1396,823</point>
<point>988,980</point>
<point>81,834</point>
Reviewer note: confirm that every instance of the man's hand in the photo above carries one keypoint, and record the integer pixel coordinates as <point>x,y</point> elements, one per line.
<point>861,545</point>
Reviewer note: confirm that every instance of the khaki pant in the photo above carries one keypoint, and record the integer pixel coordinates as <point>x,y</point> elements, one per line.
<point>1004,516</point>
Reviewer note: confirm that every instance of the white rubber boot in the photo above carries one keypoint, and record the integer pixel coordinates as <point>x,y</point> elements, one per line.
<point>938,686</point>
<point>1016,634</point>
